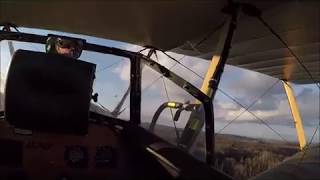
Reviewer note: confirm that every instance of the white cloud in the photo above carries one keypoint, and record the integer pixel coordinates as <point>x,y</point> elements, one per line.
<point>123,69</point>
<point>245,86</point>
<point>148,75</point>
<point>228,105</point>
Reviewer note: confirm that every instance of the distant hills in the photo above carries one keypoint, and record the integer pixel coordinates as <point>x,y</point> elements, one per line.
<point>240,157</point>
<point>168,133</point>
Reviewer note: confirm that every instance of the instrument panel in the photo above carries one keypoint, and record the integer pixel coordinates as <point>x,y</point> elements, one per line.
<point>56,156</point>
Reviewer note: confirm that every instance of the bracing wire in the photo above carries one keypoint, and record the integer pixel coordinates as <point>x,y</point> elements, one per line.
<point>209,34</point>
<point>182,64</point>
<point>233,99</point>
<point>162,75</point>
<point>246,109</point>
<point>289,49</point>
<point>107,67</point>
<point>171,112</point>
<point>165,87</point>
<point>303,66</point>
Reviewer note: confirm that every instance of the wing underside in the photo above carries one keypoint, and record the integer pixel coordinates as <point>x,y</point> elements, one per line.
<point>190,28</point>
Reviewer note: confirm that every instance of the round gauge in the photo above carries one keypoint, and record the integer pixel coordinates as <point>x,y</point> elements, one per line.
<point>105,156</point>
<point>76,156</point>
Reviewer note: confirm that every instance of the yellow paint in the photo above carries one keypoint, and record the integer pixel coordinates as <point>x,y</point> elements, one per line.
<point>295,114</point>
<point>210,73</point>
<point>212,70</point>
<point>172,104</point>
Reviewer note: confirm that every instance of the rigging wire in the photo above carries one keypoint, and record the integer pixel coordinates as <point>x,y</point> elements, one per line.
<point>107,67</point>
<point>165,87</point>
<point>171,112</point>
<point>162,75</point>
<point>182,64</point>
<point>247,110</point>
<point>248,107</point>
<point>284,43</point>
<point>140,51</point>
<point>305,69</point>
<point>167,94</point>
<point>289,49</point>
<point>233,99</point>
<point>205,38</point>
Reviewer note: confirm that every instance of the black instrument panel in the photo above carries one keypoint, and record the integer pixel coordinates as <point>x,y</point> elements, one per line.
<point>10,153</point>
<point>78,157</point>
<point>50,156</point>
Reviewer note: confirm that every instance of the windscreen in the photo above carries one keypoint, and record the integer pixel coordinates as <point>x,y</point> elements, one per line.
<point>111,90</point>
<point>166,109</point>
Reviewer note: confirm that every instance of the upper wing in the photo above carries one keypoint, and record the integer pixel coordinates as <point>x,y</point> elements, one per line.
<point>190,28</point>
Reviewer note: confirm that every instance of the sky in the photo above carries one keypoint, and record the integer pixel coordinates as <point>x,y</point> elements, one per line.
<point>112,80</point>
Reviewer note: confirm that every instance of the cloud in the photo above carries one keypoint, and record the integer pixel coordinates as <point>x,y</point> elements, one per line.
<point>249,81</point>
<point>268,103</point>
<point>149,75</point>
<point>308,103</point>
<point>275,109</point>
<point>306,95</point>
<point>245,86</point>
<point>123,69</point>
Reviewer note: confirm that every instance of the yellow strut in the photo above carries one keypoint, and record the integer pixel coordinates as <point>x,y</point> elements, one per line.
<point>212,70</point>
<point>295,113</point>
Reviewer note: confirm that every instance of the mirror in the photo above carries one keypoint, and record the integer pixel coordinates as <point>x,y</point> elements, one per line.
<point>66,46</point>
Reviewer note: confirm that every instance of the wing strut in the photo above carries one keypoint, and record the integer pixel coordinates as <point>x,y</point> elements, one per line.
<point>295,114</point>
<point>209,87</point>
